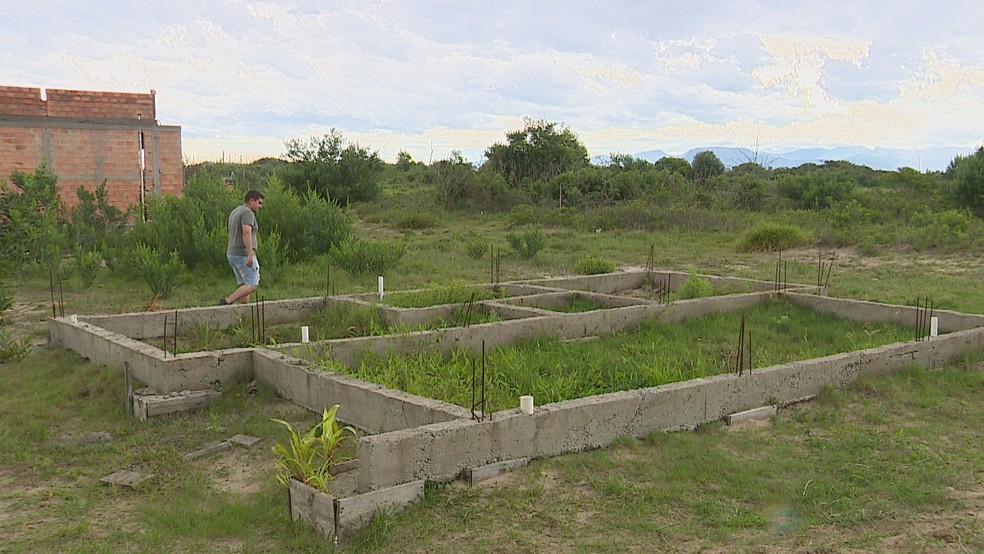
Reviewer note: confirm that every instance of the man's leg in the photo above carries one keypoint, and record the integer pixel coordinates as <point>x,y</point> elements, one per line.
<point>242,293</point>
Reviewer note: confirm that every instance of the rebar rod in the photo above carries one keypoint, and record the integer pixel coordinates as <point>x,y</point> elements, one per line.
<point>51,288</point>
<point>164,338</point>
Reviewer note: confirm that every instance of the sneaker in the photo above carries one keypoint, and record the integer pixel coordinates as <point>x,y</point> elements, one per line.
<point>222,302</point>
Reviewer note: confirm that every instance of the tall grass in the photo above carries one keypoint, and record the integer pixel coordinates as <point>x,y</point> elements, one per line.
<point>651,354</point>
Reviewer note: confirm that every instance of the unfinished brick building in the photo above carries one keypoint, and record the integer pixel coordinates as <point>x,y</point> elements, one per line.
<point>88,138</point>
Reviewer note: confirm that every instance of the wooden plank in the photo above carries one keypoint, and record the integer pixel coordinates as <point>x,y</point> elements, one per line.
<point>125,478</point>
<point>478,474</point>
<point>209,451</point>
<point>155,405</point>
<point>245,440</point>
<point>313,507</point>
<point>355,511</point>
<point>765,412</point>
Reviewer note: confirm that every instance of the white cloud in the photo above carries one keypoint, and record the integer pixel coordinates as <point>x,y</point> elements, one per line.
<point>431,76</point>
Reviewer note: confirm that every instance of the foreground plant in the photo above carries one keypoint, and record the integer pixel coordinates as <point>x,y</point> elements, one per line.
<point>309,458</point>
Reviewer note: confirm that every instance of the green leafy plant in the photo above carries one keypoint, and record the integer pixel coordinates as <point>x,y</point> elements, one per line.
<point>594,265</point>
<point>528,242</point>
<point>12,349</point>
<point>309,457</point>
<point>159,272</point>
<point>476,246</point>
<point>6,299</point>
<point>86,264</point>
<point>693,287</point>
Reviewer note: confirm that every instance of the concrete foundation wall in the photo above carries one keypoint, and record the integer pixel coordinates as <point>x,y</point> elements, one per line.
<point>350,352</point>
<point>149,325</point>
<point>372,408</point>
<point>443,450</point>
<point>863,311</point>
<point>199,370</point>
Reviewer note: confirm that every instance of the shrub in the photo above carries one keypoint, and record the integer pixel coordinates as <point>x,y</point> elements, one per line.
<point>30,231</point>
<point>476,246</point>
<point>594,265</point>
<point>86,264</point>
<point>359,257</point>
<point>6,299</point>
<point>11,349</point>
<point>416,221</point>
<point>160,272</point>
<point>528,242</point>
<point>308,224</point>
<point>770,237</point>
<point>693,287</point>
<point>948,228</point>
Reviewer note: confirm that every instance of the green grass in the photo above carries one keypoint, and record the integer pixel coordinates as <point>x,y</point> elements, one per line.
<point>892,464</point>
<point>821,477</point>
<point>649,355</point>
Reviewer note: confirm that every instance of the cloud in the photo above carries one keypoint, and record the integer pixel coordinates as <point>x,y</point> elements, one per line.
<point>431,76</point>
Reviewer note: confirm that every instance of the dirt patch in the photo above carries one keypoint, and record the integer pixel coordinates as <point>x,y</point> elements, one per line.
<point>239,471</point>
<point>27,320</point>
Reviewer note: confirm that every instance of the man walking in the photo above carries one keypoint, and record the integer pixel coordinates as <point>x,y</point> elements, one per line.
<point>241,252</point>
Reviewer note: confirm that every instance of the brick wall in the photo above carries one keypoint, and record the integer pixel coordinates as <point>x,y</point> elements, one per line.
<point>88,138</point>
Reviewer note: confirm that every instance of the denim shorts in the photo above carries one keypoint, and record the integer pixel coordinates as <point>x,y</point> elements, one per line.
<point>245,275</point>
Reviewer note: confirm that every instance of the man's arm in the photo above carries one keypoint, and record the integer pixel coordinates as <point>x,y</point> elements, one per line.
<point>248,241</point>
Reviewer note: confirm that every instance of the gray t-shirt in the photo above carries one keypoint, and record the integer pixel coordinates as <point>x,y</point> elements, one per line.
<point>240,216</point>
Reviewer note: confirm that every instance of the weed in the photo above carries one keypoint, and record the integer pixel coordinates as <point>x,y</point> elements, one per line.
<point>594,265</point>
<point>528,242</point>
<point>770,237</point>
<point>694,287</point>
<point>309,457</point>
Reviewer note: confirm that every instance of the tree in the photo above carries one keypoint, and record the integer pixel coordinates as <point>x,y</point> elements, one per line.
<point>674,165</point>
<point>538,152</point>
<point>332,169</point>
<point>706,165</point>
<point>967,175</point>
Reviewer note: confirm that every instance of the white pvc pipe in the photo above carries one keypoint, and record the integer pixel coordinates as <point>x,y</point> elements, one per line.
<point>526,404</point>
<point>380,286</point>
<point>305,337</point>
<point>934,326</point>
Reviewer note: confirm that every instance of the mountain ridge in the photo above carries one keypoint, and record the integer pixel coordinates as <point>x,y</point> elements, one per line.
<point>889,159</point>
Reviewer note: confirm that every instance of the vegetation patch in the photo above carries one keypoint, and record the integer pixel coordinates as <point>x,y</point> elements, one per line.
<point>649,355</point>
<point>770,237</point>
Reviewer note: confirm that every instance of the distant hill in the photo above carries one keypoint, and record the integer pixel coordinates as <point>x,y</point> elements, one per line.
<point>891,159</point>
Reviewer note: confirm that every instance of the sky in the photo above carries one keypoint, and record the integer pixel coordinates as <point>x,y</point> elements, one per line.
<point>430,77</point>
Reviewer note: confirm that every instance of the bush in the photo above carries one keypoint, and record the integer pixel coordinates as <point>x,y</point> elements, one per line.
<point>528,242</point>
<point>693,287</point>
<point>949,228</point>
<point>594,265</point>
<point>160,272</point>
<point>769,237</point>
<point>476,246</point>
<point>11,349</point>
<point>86,264</point>
<point>6,299</point>
<point>360,257</point>
<point>416,221</point>
<point>308,224</point>
<point>30,230</point>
